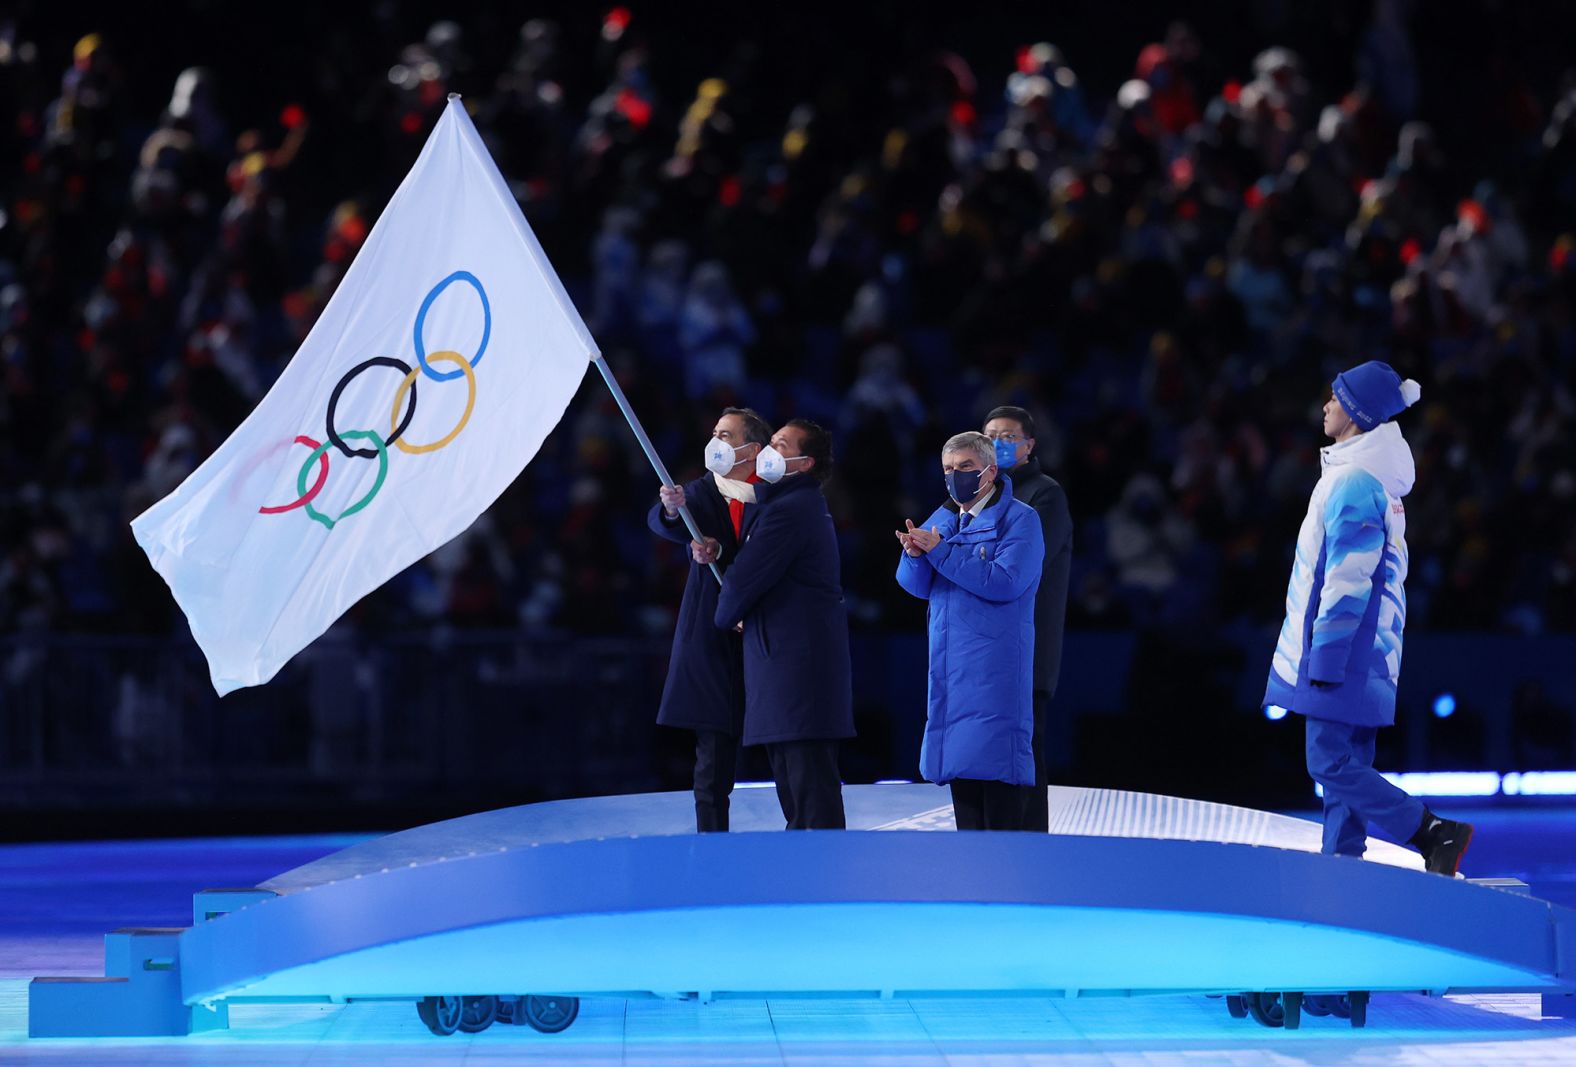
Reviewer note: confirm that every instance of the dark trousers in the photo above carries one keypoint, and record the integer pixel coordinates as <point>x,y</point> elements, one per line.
<point>1341,759</point>
<point>978,805</point>
<point>716,760</point>
<point>809,787</point>
<point>1036,806</point>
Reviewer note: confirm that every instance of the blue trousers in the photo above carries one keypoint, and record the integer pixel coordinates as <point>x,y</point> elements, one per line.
<point>1341,759</point>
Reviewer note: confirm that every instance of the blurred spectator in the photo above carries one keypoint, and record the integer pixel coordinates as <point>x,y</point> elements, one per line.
<point>714,331</point>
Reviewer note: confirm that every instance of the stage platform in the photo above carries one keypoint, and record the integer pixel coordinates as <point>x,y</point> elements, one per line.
<point>547,904</point>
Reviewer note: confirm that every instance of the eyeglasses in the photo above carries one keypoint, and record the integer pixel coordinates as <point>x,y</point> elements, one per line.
<point>1008,437</point>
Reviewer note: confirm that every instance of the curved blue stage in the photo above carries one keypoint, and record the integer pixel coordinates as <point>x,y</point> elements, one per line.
<point>1130,894</point>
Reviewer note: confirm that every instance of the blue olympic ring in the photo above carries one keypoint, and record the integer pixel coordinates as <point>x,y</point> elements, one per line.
<point>421,320</point>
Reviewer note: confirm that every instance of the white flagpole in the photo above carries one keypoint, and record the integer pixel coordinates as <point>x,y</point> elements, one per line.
<point>650,450</point>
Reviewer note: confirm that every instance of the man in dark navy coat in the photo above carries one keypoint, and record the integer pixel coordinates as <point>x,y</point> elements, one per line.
<point>1012,430</point>
<point>786,589</point>
<point>705,687</point>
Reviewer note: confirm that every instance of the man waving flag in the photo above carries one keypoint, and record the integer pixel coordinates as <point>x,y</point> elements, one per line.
<point>446,355</point>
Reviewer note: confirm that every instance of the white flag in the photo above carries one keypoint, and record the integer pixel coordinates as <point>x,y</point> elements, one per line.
<point>447,354</point>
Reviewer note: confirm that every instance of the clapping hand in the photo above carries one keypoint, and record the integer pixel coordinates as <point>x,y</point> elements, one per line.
<point>917,541</point>
<point>923,539</point>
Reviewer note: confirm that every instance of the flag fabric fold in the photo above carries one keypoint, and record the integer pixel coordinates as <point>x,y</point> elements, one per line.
<point>447,354</point>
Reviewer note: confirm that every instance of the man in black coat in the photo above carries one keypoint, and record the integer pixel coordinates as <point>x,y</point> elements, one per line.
<point>1012,428</point>
<point>786,589</point>
<point>705,687</point>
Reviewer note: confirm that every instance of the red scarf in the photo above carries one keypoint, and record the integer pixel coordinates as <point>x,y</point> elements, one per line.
<point>736,510</point>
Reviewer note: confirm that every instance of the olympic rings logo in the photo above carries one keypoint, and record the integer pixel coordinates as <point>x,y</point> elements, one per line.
<point>398,423</point>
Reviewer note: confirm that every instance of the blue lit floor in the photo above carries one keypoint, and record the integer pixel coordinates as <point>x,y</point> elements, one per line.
<point>57,901</point>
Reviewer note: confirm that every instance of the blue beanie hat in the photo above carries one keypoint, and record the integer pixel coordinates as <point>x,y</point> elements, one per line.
<point>1372,393</point>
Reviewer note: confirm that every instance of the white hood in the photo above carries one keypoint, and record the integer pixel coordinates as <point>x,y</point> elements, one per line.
<point>1382,452</point>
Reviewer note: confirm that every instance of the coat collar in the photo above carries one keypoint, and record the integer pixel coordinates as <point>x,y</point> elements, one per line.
<point>765,492</point>
<point>1027,469</point>
<point>987,517</point>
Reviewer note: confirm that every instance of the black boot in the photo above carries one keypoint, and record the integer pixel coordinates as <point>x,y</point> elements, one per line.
<point>1442,843</point>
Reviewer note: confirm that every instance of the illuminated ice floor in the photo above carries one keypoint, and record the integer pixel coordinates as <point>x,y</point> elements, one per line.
<point>57,901</point>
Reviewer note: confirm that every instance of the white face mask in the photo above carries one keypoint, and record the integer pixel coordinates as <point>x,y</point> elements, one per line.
<point>771,465</point>
<point>721,457</point>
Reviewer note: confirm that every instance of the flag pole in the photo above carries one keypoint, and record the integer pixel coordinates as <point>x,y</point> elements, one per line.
<point>651,452</point>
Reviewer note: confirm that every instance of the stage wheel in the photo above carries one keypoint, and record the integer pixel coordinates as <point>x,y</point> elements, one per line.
<point>477,1014</point>
<point>441,1014</point>
<point>1321,1005</point>
<point>550,1015</point>
<point>1359,1009</point>
<point>1235,1005</point>
<point>1266,1008</point>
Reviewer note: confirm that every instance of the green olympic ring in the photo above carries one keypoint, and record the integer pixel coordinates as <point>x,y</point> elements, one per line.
<point>322,449</point>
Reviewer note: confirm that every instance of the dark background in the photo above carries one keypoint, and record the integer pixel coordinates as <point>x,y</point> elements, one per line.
<point>877,218</point>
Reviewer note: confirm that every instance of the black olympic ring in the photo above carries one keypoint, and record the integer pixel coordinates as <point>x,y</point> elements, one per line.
<point>333,402</point>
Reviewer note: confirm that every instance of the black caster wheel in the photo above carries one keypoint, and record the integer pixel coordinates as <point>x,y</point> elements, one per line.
<point>1236,1006</point>
<point>1321,1005</point>
<point>1266,1009</point>
<point>441,1014</point>
<point>477,1014</point>
<point>1291,1009</point>
<point>549,1015</point>
<point>1358,1002</point>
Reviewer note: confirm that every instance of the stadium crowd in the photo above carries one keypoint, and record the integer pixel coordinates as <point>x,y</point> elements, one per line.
<point>1164,273</point>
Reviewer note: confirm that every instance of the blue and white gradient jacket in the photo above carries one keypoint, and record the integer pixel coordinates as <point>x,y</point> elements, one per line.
<point>1346,603</point>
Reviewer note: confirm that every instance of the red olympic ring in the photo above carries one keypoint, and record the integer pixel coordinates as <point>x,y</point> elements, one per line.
<point>317,486</point>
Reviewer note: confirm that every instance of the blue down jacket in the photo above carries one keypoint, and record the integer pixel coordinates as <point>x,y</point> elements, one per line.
<point>1346,602</point>
<point>981,585</point>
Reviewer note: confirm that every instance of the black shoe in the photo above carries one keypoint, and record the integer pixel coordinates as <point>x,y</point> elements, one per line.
<point>1442,843</point>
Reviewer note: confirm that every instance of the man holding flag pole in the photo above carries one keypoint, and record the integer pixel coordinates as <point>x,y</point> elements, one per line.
<point>785,594</point>
<point>704,691</point>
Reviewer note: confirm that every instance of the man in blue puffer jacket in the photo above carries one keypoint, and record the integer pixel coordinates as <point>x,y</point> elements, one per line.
<point>978,561</point>
<point>1339,654</point>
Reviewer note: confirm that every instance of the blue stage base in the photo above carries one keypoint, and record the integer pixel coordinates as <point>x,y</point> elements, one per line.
<point>1131,894</point>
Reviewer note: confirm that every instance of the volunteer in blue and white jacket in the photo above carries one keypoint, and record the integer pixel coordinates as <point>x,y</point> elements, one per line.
<point>1339,655</point>
<point>977,560</point>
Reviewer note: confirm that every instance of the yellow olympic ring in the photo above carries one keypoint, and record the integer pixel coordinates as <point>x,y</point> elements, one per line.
<point>410,379</point>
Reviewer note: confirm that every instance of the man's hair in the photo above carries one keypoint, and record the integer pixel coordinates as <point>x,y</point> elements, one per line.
<point>756,429</point>
<point>1016,414</point>
<point>817,444</point>
<point>983,447</point>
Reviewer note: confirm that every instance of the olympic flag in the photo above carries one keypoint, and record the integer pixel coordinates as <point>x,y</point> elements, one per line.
<point>446,355</point>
